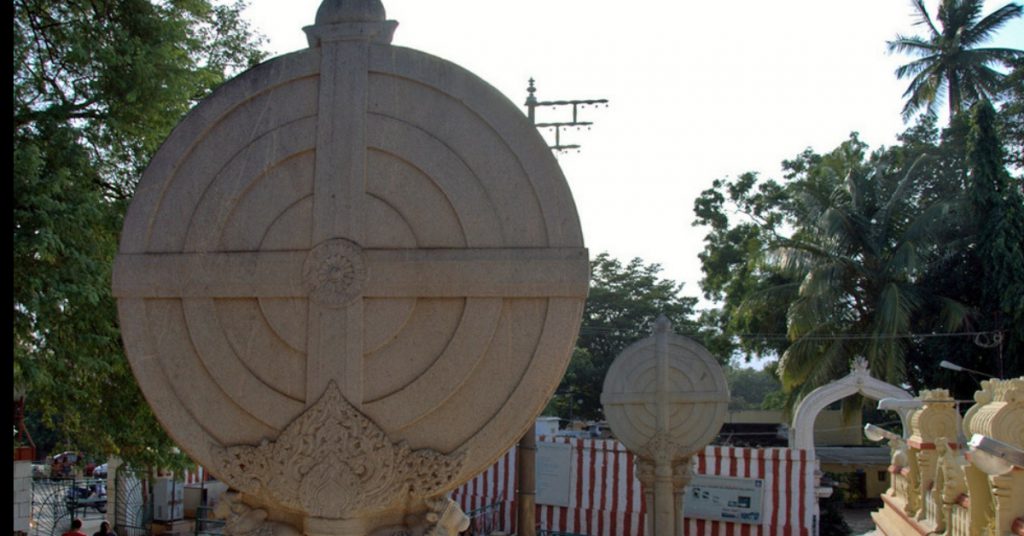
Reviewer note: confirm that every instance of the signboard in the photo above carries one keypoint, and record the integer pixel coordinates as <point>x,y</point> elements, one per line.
<point>721,498</point>
<point>554,478</point>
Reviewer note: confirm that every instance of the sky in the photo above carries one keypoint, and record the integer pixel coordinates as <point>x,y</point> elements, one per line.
<point>697,91</point>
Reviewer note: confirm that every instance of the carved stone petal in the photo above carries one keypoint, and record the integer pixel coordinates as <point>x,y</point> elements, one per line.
<point>334,462</point>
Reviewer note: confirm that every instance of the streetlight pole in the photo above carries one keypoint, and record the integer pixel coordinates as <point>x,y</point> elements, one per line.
<point>526,462</point>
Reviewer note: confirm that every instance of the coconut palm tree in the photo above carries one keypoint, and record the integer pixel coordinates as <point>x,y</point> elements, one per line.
<point>950,65</point>
<point>865,241</point>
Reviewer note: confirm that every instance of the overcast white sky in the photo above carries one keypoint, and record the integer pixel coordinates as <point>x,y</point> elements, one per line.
<point>697,91</point>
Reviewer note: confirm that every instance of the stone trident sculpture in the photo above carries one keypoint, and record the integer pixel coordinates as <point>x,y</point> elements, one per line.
<point>348,281</point>
<point>665,398</point>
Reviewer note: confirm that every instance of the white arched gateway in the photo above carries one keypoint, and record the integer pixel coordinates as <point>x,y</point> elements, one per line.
<point>859,380</point>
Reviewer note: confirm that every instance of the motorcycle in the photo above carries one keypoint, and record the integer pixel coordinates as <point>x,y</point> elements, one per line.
<point>88,495</point>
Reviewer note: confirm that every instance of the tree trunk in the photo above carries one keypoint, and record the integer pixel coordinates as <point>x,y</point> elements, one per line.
<point>955,104</point>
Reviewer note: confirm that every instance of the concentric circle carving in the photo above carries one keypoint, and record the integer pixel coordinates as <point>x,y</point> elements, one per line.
<point>334,273</point>
<point>415,245</point>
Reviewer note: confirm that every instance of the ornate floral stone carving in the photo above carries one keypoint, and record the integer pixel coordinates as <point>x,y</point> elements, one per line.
<point>662,449</point>
<point>999,412</point>
<point>335,463</point>
<point>949,483</point>
<point>682,474</point>
<point>241,519</point>
<point>645,474</point>
<point>334,273</point>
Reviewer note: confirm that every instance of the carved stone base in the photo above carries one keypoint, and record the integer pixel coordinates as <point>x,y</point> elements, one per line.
<point>443,517</point>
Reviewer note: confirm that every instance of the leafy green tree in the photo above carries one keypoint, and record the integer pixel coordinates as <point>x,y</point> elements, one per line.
<point>998,206</point>
<point>733,263</point>
<point>750,388</point>
<point>97,86</point>
<point>838,249</point>
<point>623,303</point>
<point>950,62</point>
<point>980,267</point>
<point>856,258</point>
<point>1011,120</point>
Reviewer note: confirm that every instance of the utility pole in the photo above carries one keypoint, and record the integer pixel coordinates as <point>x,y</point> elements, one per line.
<point>532,104</point>
<point>526,454</point>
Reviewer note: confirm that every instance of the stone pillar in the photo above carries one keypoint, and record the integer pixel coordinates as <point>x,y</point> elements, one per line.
<point>999,414</point>
<point>645,474</point>
<point>22,495</point>
<point>526,466</point>
<point>682,473</point>
<point>677,382</point>
<point>936,421</point>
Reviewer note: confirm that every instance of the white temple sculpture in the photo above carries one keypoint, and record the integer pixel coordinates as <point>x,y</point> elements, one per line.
<point>348,281</point>
<point>665,398</point>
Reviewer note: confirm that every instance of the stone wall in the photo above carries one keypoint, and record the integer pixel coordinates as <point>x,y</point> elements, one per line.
<point>22,495</point>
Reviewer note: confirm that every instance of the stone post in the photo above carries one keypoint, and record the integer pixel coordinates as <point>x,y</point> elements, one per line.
<point>936,421</point>
<point>526,467</point>
<point>999,414</point>
<point>645,474</point>
<point>682,473</point>
<point>676,381</point>
<point>22,495</point>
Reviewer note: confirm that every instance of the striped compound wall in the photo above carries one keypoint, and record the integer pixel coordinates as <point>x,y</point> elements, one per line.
<point>606,498</point>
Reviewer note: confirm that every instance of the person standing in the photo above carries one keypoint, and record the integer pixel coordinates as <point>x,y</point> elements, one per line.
<point>105,530</point>
<point>76,528</point>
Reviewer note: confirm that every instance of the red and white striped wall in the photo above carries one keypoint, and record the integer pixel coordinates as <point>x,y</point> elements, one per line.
<point>194,477</point>
<point>607,499</point>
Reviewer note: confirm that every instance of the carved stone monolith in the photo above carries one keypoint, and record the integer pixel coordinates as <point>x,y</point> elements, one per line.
<point>348,281</point>
<point>665,398</point>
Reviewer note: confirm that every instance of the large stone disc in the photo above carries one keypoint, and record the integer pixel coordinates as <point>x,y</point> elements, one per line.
<point>354,215</point>
<point>665,391</point>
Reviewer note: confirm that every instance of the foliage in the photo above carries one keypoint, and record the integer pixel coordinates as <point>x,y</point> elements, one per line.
<point>858,254</point>
<point>865,237</point>
<point>751,388</point>
<point>997,203</point>
<point>623,303</point>
<point>734,271</point>
<point>97,86</point>
<point>950,62</point>
<point>1010,120</point>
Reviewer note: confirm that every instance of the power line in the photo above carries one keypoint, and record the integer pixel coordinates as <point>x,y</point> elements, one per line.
<point>829,337</point>
<point>867,336</point>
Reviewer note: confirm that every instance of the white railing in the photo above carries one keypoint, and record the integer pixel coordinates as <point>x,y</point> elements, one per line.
<point>932,511</point>
<point>960,521</point>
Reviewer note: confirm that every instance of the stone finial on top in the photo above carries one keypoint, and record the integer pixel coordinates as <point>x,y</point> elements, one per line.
<point>341,20</point>
<point>336,11</point>
<point>859,365</point>
<point>662,324</point>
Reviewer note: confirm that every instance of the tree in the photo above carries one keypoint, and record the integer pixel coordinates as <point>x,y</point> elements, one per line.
<point>950,64</point>
<point>623,303</point>
<point>866,239</point>
<point>827,262</point>
<point>1011,120</point>
<point>734,265</point>
<point>998,206</point>
<point>98,85</point>
<point>751,388</point>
